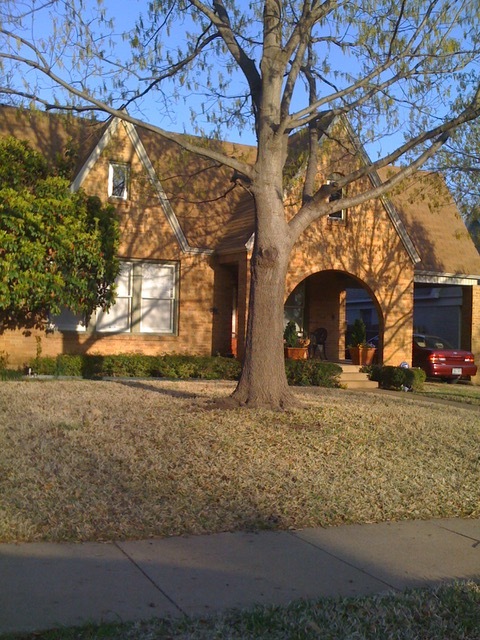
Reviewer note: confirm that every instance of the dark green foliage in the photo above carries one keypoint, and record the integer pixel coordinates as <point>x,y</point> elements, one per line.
<point>313,373</point>
<point>290,334</point>
<point>139,366</point>
<point>10,374</point>
<point>20,166</point>
<point>57,248</point>
<point>175,367</point>
<point>359,333</point>
<point>414,378</point>
<point>396,377</point>
<point>374,371</point>
<point>392,377</point>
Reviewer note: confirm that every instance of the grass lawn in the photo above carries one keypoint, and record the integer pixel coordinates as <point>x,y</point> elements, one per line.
<point>460,392</point>
<point>450,612</point>
<point>84,460</point>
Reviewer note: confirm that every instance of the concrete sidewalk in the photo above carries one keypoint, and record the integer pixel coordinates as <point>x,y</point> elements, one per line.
<point>45,585</point>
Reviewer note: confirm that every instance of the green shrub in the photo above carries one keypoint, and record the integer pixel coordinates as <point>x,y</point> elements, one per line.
<point>359,333</point>
<point>68,365</point>
<point>415,378</point>
<point>10,374</point>
<point>392,377</point>
<point>177,367</point>
<point>313,373</point>
<point>396,378</point>
<point>138,366</point>
<point>44,366</point>
<point>374,371</point>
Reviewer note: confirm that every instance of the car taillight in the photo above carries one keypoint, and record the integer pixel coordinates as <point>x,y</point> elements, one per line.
<point>469,359</point>
<point>436,358</point>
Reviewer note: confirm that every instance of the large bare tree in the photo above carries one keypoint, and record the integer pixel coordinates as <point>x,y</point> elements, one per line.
<point>276,66</point>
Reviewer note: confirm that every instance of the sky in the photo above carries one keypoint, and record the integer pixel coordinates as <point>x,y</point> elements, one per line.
<point>125,13</point>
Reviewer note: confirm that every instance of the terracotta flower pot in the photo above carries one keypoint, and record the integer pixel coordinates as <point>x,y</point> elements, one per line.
<point>362,355</point>
<point>296,353</point>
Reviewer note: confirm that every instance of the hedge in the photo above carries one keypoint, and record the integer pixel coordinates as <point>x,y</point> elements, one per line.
<point>10,374</point>
<point>314,373</point>
<point>299,372</point>
<point>397,378</point>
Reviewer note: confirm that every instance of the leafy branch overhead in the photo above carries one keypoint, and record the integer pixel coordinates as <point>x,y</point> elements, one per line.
<point>379,62</point>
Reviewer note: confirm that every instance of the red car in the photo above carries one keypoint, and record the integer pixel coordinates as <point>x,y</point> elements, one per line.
<point>439,360</point>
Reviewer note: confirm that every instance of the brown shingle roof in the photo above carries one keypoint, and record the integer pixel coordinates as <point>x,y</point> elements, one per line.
<point>58,137</point>
<point>203,194</point>
<point>435,226</point>
<point>216,213</point>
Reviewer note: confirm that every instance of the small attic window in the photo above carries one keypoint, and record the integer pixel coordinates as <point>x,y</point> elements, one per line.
<point>340,215</point>
<point>118,180</point>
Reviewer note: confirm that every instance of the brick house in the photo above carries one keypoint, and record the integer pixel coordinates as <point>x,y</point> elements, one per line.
<point>187,235</point>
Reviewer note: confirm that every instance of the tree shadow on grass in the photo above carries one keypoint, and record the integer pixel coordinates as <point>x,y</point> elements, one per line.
<point>176,393</point>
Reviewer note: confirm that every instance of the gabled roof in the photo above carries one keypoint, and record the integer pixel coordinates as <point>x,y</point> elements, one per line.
<point>197,196</point>
<point>386,201</point>
<point>203,194</point>
<point>208,212</point>
<point>436,228</point>
<point>58,137</point>
<point>98,150</point>
<point>238,232</point>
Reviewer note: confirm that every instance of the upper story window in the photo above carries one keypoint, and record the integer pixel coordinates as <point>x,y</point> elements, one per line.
<point>338,194</point>
<point>118,180</point>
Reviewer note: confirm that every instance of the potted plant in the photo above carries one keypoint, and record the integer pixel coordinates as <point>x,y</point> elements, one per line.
<point>361,352</point>
<point>295,346</point>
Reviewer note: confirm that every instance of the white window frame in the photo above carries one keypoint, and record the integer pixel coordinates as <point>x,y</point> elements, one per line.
<point>165,293</point>
<point>118,319</point>
<point>112,168</point>
<point>341,215</point>
<point>138,291</point>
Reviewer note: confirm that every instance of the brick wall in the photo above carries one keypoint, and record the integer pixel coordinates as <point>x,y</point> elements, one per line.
<point>145,234</point>
<point>194,327</point>
<point>471,299</point>
<point>366,248</point>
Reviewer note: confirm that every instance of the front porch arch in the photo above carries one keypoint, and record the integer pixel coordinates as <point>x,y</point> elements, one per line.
<point>320,300</point>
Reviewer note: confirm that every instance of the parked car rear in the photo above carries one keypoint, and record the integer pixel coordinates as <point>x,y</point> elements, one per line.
<point>440,360</point>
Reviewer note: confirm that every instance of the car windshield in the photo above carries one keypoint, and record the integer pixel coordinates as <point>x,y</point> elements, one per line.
<point>432,342</point>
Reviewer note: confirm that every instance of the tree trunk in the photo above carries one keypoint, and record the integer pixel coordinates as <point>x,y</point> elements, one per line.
<point>263,382</point>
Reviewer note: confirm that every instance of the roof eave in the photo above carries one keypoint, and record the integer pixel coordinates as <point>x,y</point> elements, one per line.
<point>439,277</point>
<point>387,203</point>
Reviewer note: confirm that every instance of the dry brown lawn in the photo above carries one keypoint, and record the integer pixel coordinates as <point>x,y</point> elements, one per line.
<point>83,460</point>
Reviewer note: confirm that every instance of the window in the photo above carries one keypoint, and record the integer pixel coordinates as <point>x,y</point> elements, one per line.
<point>334,196</point>
<point>146,300</point>
<point>158,298</point>
<point>67,321</point>
<point>118,179</point>
<point>118,318</point>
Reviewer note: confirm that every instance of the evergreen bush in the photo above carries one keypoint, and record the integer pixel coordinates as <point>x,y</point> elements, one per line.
<point>396,378</point>
<point>176,367</point>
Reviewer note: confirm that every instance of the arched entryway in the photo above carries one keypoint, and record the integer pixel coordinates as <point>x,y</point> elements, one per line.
<point>332,300</point>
